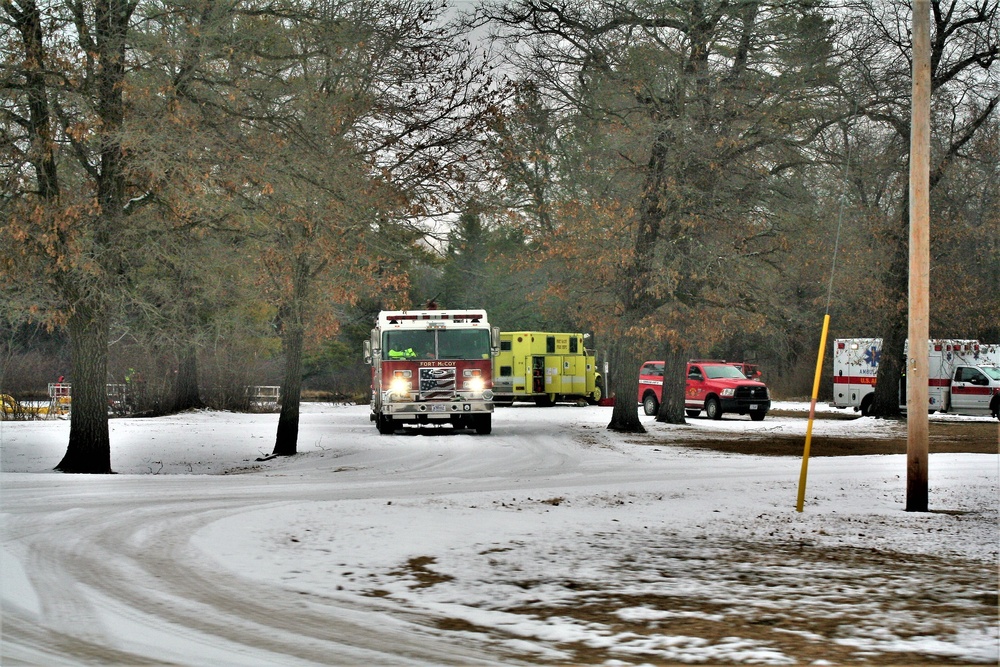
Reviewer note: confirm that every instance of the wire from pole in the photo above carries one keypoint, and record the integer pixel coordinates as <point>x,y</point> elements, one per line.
<point>800,500</point>
<point>840,217</point>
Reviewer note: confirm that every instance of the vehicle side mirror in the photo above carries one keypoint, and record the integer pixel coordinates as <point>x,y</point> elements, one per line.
<point>495,341</point>
<point>367,346</point>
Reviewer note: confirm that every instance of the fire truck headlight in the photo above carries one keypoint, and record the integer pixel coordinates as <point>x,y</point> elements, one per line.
<point>728,391</point>
<point>476,384</point>
<point>399,386</point>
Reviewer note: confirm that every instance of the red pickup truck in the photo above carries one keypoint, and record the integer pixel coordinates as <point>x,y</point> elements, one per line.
<point>716,387</point>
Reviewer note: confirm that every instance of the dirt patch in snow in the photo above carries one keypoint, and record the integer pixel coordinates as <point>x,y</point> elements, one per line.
<point>795,603</point>
<point>943,437</point>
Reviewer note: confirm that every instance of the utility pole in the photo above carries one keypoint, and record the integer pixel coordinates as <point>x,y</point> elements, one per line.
<point>919,307</point>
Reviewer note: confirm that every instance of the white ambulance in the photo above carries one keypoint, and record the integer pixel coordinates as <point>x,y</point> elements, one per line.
<point>962,376</point>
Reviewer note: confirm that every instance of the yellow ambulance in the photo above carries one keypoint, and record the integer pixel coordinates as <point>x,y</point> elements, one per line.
<point>545,368</point>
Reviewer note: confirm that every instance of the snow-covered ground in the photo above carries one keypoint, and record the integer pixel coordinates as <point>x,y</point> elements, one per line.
<point>550,541</point>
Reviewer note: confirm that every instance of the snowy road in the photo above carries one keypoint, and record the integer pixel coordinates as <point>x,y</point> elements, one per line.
<point>549,541</point>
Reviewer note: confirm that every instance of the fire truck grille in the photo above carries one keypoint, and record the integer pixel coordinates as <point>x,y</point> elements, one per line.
<point>437,383</point>
<point>752,393</point>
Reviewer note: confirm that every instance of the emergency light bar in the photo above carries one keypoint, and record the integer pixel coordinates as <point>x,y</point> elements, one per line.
<point>436,315</point>
<point>938,347</point>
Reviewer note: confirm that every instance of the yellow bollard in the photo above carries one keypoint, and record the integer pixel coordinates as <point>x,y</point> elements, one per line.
<point>812,414</point>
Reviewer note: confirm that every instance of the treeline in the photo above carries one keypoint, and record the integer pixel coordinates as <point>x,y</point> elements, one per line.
<point>215,194</point>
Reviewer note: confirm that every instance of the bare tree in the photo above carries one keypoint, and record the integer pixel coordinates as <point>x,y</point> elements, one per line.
<point>355,123</point>
<point>68,198</point>
<point>689,118</point>
<point>109,153</point>
<point>965,88</point>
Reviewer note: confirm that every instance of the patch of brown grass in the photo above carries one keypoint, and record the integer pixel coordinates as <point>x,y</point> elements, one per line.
<point>943,438</point>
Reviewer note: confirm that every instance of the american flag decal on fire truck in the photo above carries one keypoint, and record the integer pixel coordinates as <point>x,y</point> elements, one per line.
<point>437,383</point>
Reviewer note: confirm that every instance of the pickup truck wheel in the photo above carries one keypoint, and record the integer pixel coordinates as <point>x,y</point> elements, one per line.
<point>650,405</point>
<point>757,415</point>
<point>693,413</point>
<point>713,410</point>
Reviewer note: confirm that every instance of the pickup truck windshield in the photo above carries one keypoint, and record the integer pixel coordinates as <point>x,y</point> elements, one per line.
<point>723,371</point>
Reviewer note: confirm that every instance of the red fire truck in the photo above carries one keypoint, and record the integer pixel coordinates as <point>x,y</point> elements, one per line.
<point>432,367</point>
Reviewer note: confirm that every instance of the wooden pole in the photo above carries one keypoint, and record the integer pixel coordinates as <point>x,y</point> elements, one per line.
<point>917,361</point>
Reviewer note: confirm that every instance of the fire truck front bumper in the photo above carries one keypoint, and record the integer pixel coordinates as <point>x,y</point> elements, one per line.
<point>431,410</point>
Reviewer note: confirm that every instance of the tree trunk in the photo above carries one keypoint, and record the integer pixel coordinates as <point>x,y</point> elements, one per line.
<point>186,396</point>
<point>885,401</point>
<point>674,384</point>
<point>42,154</point>
<point>637,302</point>
<point>89,449</point>
<point>624,370</point>
<point>286,441</point>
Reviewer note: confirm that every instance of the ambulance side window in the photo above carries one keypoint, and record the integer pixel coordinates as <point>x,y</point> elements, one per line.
<point>550,344</point>
<point>573,345</point>
<point>506,371</point>
<point>972,375</point>
<point>505,346</point>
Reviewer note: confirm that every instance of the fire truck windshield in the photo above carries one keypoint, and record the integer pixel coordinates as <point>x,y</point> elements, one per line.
<point>436,344</point>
